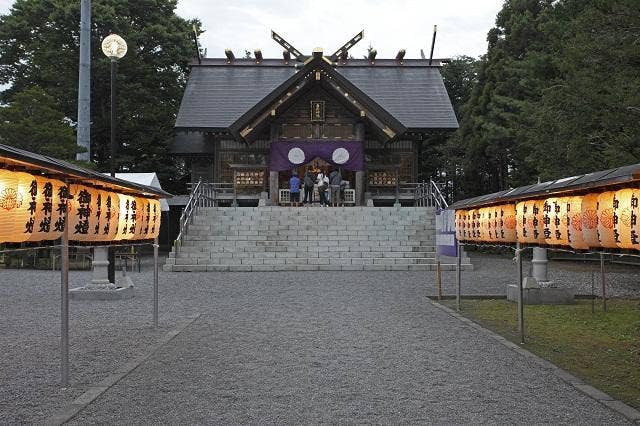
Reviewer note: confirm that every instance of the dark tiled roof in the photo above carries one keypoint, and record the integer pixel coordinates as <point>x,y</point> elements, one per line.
<point>218,94</point>
<point>416,96</point>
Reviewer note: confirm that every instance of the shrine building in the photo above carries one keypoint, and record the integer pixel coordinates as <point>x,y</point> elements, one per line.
<point>245,125</point>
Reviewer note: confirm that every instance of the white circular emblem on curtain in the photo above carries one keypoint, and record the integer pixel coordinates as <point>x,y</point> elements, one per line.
<point>296,156</point>
<point>340,156</point>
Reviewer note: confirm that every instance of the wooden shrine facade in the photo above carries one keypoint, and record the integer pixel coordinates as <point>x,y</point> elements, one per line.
<point>235,110</point>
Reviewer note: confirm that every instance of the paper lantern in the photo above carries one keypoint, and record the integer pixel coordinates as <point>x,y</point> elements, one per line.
<point>494,212</point>
<point>105,216</point>
<point>555,221</point>
<point>460,224</point>
<point>529,219</point>
<point>506,229</point>
<point>50,204</point>
<point>483,224</point>
<point>626,209</point>
<point>574,223</point>
<point>127,219</point>
<point>82,214</point>
<point>18,206</point>
<point>589,211</point>
<point>607,219</point>
<point>154,219</point>
<point>548,216</point>
<point>473,227</point>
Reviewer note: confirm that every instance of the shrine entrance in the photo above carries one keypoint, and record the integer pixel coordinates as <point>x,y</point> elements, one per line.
<point>299,156</point>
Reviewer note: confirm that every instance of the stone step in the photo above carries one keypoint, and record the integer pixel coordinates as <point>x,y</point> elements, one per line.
<point>301,261</point>
<point>302,253</point>
<point>279,268</point>
<point>284,246</point>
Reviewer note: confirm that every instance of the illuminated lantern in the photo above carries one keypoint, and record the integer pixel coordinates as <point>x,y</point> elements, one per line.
<point>154,219</point>
<point>50,205</point>
<point>82,214</point>
<point>626,209</point>
<point>494,212</point>
<point>589,210</point>
<point>506,228</point>
<point>547,225</point>
<point>561,221</point>
<point>529,218</point>
<point>483,222</point>
<point>127,219</point>
<point>607,219</point>
<point>574,223</point>
<point>472,225</point>
<point>460,225</point>
<point>17,208</point>
<point>106,211</point>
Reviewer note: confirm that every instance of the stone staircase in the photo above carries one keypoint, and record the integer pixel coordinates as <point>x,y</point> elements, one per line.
<point>308,239</point>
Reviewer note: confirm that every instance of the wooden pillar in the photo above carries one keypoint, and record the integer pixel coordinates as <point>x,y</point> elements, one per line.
<point>359,131</point>
<point>273,176</point>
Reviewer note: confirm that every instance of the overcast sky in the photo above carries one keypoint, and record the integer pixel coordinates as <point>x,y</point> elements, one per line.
<point>388,25</point>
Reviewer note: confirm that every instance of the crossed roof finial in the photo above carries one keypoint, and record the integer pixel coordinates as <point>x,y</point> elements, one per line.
<point>340,53</point>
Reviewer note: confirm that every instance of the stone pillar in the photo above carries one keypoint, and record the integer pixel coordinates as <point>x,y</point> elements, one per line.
<point>359,188</point>
<point>273,188</point>
<point>100,279</point>
<point>539,265</point>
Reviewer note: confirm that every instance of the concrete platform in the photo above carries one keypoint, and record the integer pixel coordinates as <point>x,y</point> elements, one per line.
<point>542,296</point>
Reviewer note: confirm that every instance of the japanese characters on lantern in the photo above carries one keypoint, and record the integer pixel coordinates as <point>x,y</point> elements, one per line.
<point>627,228</point>
<point>32,208</point>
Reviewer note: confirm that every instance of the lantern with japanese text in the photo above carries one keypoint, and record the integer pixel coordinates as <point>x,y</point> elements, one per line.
<point>127,219</point>
<point>51,195</point>
<point>626,209</point>
<point>574,223</point>
<point>506,229</point>
<point>529,218</point>
<point>106,212</point>
<point>155,218</point>
<point>607,219</point>
<point>82,214</point>
<point>483,222</point>
<point>473,227</point>
<point>589,211</point>
<point>548,216</point>
<point>17,206</point>
<point>460,225</point>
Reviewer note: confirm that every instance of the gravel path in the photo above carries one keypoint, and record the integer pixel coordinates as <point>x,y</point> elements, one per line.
<point>275,347</point>
<point>492,274</point>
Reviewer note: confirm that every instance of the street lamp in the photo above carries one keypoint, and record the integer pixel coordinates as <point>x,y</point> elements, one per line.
<point>114,47</point>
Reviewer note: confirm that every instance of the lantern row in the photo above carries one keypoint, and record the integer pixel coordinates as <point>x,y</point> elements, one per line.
<point>32,209</point>
<point>600,220</point>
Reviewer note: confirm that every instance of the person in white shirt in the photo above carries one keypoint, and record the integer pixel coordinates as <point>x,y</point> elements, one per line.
<point>323,186</point>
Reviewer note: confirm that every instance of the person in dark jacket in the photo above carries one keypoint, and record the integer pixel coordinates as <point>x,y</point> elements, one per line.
<point>335,180</point>
<point>309,181</point>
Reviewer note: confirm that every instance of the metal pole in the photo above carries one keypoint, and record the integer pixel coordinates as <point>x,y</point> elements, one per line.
<point>155,282</point>
<point>604,293</point>
<point>458,275</point>
<point>84,83</point>
<point>111,271</point>
<point>593,292</point>
<point>64,301</point>
<point>520,293</point>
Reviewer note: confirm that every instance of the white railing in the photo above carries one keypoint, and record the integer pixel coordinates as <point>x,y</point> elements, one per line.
<point>189,210</point>
<point>428,194</point>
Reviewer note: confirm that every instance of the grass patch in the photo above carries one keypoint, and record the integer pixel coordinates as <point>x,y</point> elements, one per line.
<point>602,348</point>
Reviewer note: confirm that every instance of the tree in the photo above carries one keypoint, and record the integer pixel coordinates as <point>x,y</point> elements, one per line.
<point>39,45</point>
<point>32,122</point>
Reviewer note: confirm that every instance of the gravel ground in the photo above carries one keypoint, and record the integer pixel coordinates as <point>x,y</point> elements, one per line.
<point>492,274</point>
<point>279,348</point>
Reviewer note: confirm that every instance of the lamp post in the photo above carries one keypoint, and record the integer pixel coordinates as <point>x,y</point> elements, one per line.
<point>114,47</point>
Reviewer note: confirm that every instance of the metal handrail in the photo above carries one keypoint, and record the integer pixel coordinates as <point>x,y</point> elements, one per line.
<point>437,196</point>
<point>188,212</point>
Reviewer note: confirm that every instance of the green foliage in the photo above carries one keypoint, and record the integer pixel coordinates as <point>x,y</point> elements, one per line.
<point>557,95</point>
<point>33,122</point>
<point>39,45</point>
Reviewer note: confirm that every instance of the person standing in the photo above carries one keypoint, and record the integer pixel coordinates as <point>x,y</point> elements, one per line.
<point>309,181</point>
<point>335,180</point>
<point>294,188</point>
<point>323,185</point>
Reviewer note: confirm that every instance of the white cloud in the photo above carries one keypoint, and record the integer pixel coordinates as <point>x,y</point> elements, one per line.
<point>388,25</point>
